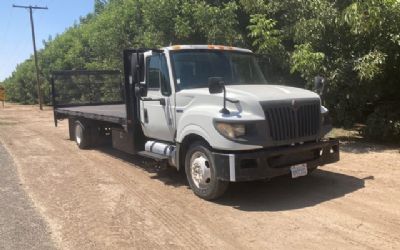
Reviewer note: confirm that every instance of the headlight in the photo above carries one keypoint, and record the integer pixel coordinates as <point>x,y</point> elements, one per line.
<point>324,110</point>
<point>231,131</point>
<point>326,119</point>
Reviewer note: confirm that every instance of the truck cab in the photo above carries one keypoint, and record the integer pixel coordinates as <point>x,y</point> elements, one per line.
<point>226,122</point>
<point>208,111</point>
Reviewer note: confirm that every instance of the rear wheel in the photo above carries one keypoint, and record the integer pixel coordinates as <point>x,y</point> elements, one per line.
<point>201,172</point>
<point>82,135</point>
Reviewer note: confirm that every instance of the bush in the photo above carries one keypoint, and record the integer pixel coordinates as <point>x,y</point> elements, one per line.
<point>383,124</point>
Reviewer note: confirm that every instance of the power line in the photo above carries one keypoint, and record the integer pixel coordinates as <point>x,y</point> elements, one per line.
<point>39,89</point>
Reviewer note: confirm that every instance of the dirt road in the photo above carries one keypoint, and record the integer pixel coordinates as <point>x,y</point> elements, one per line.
<point>99,199</point>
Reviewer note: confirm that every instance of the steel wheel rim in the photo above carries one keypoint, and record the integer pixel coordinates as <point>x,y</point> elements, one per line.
<point>200,170</point>
<point>78,134</point>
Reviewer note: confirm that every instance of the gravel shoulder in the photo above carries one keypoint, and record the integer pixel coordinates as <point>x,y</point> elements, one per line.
<point>103,199</point>
<point>21,225</point>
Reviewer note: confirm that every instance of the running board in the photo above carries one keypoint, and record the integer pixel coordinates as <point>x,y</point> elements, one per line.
<point>154,156</point>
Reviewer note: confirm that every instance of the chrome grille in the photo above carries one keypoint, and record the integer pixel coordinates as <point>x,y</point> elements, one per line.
<point>291,122</point>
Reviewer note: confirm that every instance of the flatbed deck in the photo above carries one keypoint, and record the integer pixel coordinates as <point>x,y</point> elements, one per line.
<point>114,113</point>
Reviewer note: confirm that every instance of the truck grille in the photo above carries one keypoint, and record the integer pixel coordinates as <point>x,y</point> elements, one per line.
<point>289,122</point>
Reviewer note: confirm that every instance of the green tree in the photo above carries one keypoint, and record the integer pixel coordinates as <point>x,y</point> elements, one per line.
<point>354,44</point>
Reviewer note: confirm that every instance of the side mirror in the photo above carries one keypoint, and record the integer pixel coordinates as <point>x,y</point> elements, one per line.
<point>319,84</point>
<point>141,90</point>
<point>215,85</point>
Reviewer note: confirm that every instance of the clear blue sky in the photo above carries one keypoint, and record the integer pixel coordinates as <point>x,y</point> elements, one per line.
<point>15,31</point>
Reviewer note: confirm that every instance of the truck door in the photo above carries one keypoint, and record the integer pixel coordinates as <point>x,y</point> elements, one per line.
<point>156,112</point>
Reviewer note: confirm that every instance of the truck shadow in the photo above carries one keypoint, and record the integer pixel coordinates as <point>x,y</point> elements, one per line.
<point>284,193</point>
<point>168,175</point>
<point>278,194</point>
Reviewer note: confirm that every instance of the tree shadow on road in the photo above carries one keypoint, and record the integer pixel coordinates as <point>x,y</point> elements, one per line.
<point>361,147</point>
<point>351,141</point>
<point>284,193</point>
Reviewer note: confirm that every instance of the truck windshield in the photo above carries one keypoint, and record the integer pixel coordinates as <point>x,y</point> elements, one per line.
<point>192,68</point>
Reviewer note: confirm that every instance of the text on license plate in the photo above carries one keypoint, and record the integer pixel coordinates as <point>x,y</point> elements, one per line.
<point>299,170</point>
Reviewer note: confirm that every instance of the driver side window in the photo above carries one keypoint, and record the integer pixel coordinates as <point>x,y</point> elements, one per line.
<point>157,74</point>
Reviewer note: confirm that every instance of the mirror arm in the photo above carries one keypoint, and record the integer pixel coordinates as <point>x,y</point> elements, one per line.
<point>224,110</point>
<point>232,100</point>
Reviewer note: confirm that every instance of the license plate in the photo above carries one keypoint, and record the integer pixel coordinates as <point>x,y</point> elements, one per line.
<point>298,170</point>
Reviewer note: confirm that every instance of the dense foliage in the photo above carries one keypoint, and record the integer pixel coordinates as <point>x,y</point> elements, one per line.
<point>354,44</point>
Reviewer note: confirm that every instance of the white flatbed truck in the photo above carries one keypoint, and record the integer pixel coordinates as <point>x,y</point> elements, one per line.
<point>206,110</point>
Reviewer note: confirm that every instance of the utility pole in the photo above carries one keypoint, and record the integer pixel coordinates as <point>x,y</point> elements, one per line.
<point>39,89</point>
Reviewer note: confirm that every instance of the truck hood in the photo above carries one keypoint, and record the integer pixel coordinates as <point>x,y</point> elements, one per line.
<point>269,92</point>
<point>250,97</point>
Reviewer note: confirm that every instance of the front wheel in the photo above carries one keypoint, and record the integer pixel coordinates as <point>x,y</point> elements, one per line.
<point>201,172</point>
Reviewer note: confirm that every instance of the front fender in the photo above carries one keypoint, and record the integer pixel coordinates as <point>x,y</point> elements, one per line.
<point>198,119</point>
<point>193,129</point>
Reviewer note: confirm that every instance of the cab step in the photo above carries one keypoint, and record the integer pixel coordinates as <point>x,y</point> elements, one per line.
<point>154,156</point>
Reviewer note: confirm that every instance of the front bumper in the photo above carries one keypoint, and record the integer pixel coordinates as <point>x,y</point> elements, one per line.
<point>268,163</point>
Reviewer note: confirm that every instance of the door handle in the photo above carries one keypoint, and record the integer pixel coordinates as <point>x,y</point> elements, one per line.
<point>149,99</point>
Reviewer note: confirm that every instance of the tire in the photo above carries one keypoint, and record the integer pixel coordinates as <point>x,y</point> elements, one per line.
<point>71,128</point>
<point>82,135</point>
<point>201,172</point>
<point>311,170</point>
